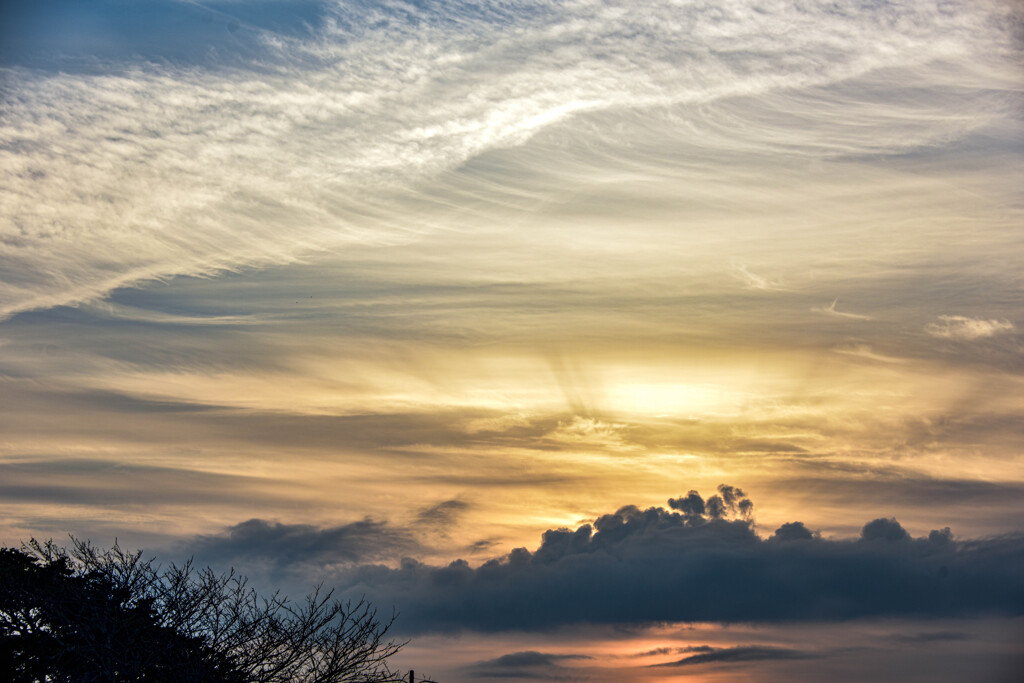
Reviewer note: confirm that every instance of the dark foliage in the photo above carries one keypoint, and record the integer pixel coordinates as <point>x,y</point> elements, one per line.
<point>84,615</point>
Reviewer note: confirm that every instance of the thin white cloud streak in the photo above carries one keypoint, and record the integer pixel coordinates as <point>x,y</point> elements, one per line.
<point>865,351</point>
<point>157,171</point>
<point>962,327</point>
<point>114,311</point>
<point>753,280</point>
<point>831,310</point>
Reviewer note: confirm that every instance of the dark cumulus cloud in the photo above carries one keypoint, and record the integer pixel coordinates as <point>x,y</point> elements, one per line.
<point>701,560</point>
<point>792,531</point>
<point>729,501</point>
<point>529,664</point>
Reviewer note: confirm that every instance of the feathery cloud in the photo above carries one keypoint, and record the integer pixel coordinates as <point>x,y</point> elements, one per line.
<point>962,327</point>
<point>318,138</point>
<point>831,310</point>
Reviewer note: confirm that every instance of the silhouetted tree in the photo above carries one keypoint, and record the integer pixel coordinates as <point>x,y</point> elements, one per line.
<point>84,615</point>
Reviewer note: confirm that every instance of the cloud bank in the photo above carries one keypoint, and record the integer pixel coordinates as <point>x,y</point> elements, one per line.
<point>704,562</point>
<point>698,561</point>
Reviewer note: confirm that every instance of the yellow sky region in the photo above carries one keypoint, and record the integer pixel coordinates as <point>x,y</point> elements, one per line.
<point>528,440</point>
<point>633,384</point>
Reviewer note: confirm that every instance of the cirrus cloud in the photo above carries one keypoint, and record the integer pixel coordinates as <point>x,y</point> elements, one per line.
<point>127,170</point>
<point>962,327</point>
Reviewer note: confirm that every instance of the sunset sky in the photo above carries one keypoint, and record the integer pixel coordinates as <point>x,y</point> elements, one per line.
<point>381,294</point>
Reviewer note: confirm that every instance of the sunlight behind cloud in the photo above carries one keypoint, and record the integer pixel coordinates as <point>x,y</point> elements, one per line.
<point>405,287</point>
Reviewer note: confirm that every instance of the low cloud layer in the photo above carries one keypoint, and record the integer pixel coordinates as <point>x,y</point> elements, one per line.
<point>748,653</point>
<point>704,562</point>
<point>529,664</point>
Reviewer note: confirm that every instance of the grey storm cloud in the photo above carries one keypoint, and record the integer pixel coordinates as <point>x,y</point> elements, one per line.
<point>656,565</point>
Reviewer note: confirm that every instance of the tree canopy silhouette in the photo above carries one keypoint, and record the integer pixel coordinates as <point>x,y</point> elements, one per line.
<point>87,615</point>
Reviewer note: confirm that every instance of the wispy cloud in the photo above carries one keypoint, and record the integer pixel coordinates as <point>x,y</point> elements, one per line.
<point>866,351</point>
<point>317,140</point>
<point>964,328</point>
<point>441,516</point>
<point>831,310</point>
<point>752,280</point>
<point>586,432</point>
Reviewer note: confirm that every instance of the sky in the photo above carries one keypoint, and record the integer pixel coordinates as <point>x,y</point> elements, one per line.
<point>604,341</point>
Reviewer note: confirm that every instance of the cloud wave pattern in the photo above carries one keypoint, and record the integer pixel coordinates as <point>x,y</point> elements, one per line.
<point>131,170</point>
